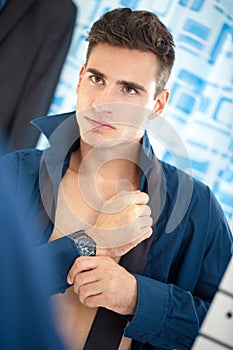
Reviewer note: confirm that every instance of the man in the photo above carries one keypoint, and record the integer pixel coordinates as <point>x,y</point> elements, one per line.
<point>140,246</point>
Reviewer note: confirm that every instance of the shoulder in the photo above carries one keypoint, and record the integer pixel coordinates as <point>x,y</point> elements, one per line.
<point>20,171</point>
<point>23,159</point>
<point>22,167</point>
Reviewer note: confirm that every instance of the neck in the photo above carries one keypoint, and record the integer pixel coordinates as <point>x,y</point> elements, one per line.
<point>116,162</point>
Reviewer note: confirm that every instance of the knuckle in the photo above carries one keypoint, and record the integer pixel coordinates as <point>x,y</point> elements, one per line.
<point>106,259</point>
<point>109,299</point>
<point>131,216</point>
<point>78,264</point>
<point>82,292</point>
<point>148,209</point>
<point>76,289</point>
<point>144,197</point>
<point>89,302</point>
<point>136,229</point>
<point>149,233</point>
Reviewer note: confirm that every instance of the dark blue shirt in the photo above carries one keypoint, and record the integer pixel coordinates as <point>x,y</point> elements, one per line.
<point>191,244</point>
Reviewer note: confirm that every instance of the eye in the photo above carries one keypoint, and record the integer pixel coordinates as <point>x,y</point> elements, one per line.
<point>130,90</point>
<point>96,79</point>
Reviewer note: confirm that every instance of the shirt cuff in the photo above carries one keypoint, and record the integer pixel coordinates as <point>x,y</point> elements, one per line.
<point>151,310</point>
<point>63,253</point>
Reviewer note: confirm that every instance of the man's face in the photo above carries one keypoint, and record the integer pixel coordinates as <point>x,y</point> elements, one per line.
<point>116,95</point>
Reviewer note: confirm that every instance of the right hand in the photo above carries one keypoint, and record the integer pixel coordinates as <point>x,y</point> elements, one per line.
<point>123,222</point>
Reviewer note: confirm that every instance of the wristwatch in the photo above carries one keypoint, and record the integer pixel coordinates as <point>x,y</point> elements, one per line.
<point>85,244</point>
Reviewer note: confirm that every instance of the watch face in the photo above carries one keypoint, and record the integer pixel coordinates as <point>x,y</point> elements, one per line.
<point>86,246</point>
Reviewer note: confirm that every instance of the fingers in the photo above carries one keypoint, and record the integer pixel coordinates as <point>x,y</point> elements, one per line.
<point>144,210</point>
<point>140,197</point>
<point>145,222</point>
<point>86,284</point>
<point>139,228</point>
<point>147,232</point>
<point>134,212</point>
<point>89,293</point>
<point>124,220</point>
<point>84,263</point>
<point>129,197</point>
<point>107,284</point>
<point>84,280</point>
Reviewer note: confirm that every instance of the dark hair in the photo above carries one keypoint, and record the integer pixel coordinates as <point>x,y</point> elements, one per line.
<point>138,30</point>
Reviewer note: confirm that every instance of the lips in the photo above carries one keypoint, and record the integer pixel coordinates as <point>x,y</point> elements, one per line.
<point>99,124</point>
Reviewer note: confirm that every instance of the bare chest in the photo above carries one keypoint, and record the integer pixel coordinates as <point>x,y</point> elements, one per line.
<point>78,205</point>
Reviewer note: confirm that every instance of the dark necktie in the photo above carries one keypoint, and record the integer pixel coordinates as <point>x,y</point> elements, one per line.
<point>107,329</point>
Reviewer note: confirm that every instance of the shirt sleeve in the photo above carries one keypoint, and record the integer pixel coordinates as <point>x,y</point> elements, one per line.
<point>168,315</point>
<point>63,253</point>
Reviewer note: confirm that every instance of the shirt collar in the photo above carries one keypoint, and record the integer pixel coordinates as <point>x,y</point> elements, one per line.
<point>63,134</point>
<point>49,124</point>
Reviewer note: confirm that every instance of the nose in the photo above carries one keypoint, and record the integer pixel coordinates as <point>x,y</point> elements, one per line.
<point>104,99</point>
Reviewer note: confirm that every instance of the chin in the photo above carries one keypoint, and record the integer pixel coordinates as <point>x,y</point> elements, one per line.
<point>93,139</point>
<point>99,142</point>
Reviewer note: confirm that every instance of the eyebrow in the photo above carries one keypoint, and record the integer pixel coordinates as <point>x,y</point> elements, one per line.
<point>125,83</point>
<point>96,72</point>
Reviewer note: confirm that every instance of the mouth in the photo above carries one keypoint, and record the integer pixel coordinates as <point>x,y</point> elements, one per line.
<point>99,124</point>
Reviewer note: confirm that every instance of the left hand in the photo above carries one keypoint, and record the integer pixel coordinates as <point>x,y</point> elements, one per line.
<point>123,222</point>
<point>100,282</point>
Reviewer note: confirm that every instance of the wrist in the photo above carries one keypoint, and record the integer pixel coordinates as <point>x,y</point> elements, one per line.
<point>85,245</point>
<point>91,232</point>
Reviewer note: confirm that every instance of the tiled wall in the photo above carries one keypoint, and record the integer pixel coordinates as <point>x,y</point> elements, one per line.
<point>201,104</point>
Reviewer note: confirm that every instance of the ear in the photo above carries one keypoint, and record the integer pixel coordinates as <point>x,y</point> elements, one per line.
<point>81,72</point>
<point>160,103</point>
